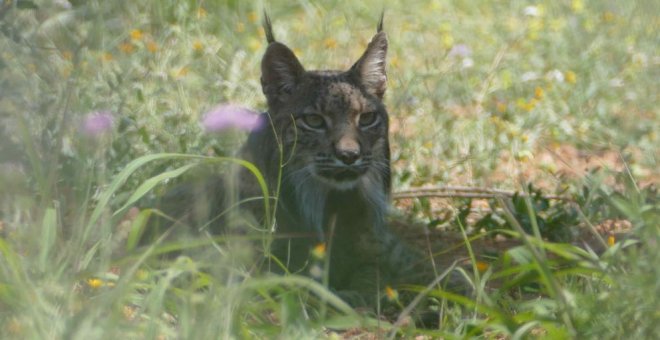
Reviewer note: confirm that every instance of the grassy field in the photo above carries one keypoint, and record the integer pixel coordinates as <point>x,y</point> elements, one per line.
<point>102,101</point>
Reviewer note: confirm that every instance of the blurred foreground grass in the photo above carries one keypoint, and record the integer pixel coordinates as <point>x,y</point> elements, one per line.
<point>488,93</point>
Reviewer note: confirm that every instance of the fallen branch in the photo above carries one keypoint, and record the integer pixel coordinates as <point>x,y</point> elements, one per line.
<point>464,192</point>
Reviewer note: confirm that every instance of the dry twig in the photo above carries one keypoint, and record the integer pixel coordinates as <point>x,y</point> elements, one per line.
<point>464,192</point>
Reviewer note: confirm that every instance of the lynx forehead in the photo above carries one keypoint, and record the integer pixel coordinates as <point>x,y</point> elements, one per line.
<point>347,97</point>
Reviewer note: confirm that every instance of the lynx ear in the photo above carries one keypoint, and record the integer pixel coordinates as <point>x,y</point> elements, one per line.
<point>370,68</point>
<point>280,71</point>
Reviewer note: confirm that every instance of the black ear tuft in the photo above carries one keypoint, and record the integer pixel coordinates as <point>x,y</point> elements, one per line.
<point>268,28</point>
<point>370,68</point>
<point>379,28</point>
<point>281,72</point>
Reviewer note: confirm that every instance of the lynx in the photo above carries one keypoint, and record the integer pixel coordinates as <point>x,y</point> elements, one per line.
<point>333,127</point>
<point>324,144</point>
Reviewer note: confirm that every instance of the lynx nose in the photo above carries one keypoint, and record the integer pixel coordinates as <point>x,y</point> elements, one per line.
<point>347,150</point>
<point>348,157</point>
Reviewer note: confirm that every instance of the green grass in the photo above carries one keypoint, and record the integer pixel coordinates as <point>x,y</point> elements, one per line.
<point>539,78</point>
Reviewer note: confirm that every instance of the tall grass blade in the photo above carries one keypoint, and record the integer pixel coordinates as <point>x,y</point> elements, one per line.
<point>150,183</point>
<point>137,228</point>
<point>47,238</point>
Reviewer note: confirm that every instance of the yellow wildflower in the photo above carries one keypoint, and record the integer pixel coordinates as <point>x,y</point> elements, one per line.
<point>526,105</point>
<point>240,27</point>
<point>447,40</point>
<point>524,138</point>
<point>538,93</point>
<point>182,72</point>
<point>611,240</point>
<point>252,17</point>
<point>570,77</point>
<point>201,12</point>
<point>107,56</point>
<point>524,156</point>
<point>482,266</point>
<point>391,293</point>
<point>152,47</point>
<point>577,6</point>
<point>500,107</point>
<point>319,251</point>
<point>127,48</point>
<point>136,34</point>
<point>94,283</point>
<point>500,124</point>
<point>197,46</point>
<point>254,44</point>
<point>330,43</point>
<point>608,16</point>
<point>434,6</point>
<point>535,27</point>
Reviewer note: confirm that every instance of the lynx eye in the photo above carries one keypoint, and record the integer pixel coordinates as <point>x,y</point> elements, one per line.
<point>368,119</point>
<point>313,121</point>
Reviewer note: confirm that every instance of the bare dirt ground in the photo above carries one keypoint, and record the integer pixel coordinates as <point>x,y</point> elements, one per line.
<point>547,170</point>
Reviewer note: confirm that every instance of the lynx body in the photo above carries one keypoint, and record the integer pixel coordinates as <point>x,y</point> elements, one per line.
<point>323,149</point>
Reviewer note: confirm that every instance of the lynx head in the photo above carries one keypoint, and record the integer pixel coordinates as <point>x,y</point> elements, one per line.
<point>335,119</point>
<point>332,124</point>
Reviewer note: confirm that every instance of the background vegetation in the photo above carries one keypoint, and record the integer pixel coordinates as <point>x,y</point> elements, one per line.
<point>499,94</point>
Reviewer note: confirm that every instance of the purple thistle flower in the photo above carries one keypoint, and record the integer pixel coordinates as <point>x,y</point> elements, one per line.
<point>460,50</point>
<point>226,116</point>
<point>97,123</point>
